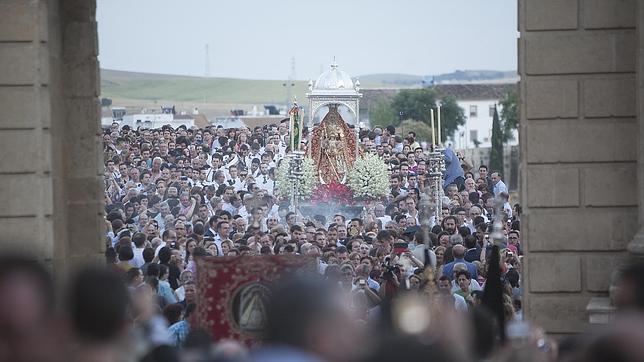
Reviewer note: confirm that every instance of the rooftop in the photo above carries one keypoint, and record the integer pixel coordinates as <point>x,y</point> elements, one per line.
<point>475,91</point>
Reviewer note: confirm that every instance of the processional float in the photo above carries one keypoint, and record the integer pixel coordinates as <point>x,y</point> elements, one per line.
<point>332,145</point>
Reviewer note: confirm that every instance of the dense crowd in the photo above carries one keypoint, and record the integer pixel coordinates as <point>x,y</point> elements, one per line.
<point>176,194</point>
<point>392,283</point>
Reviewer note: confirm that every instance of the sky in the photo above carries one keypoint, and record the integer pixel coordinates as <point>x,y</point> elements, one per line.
<point>256,39</point>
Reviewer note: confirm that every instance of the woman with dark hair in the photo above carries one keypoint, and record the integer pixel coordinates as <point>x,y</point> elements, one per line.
<point>164,290</point>
<point>191,244</point>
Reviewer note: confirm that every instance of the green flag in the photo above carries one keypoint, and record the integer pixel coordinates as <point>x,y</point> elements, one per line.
<point>295,126</point>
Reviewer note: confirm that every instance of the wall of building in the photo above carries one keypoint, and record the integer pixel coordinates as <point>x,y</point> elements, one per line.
<point>478,126</point>
<point>50,159</point>
<point>579,147</point>
<point>481,156</point>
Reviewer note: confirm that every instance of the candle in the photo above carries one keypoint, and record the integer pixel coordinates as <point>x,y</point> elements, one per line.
<point>439,125</point>
<point>431,116</point>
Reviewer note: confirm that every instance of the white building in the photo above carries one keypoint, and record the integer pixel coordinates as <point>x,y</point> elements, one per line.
<point>144,119</point>
<point>478,102</point>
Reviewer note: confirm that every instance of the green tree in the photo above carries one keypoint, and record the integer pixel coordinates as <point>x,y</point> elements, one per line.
<point>416,104</point>
<point>422,130</point>
<point>496,153</point>
<point>381,114</point>
<point>509,115</point>
<point>452,116</point>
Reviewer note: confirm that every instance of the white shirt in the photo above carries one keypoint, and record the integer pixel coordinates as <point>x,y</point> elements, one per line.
<point>264,182</point>
<point>500,187</point>
<point>138,261</point>
<point>237,183</point>
<point>156,251</point>
<point>459,303</point>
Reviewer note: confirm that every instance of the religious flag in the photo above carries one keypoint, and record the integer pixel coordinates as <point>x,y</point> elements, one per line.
<point>295,118</point>
<point>233,293</point>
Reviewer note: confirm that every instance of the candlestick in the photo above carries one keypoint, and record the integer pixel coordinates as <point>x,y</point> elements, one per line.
<point>439,125</point>
<point>431,116</point>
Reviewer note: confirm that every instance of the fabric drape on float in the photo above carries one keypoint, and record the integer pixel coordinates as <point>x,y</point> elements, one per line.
<point>295,117</point>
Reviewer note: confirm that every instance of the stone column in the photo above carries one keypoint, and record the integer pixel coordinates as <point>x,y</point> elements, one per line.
<point>50,155</point>
<point>636,246</point>
<point>579,148</point>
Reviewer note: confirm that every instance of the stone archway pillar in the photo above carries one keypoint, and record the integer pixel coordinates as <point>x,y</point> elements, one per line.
<point>636,246</point>
<point>50,149</point>
<point>580,148</point>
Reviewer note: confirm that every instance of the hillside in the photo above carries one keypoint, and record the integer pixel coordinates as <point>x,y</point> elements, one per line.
<point>150,87</point>
<point>217,96</point>
<point>390,80</point>
<point>122,85</point>
<point>471,76</point>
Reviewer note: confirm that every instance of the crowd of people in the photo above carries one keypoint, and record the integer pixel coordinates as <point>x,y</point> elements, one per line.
<point>391,282</point>
<point>176,194</point>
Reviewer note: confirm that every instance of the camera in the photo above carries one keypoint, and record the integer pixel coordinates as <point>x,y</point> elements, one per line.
<point>390,270</point>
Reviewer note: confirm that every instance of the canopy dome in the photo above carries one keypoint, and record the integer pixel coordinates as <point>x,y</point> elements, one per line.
<point>334,79</point>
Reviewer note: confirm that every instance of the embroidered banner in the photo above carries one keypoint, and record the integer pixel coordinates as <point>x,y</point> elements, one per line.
<point>232,292</point>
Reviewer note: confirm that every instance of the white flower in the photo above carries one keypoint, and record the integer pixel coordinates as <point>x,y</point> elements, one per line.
<point>369,177</point>
<point>307,183</point>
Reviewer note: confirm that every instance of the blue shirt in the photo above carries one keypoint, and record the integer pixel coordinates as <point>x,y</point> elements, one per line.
<point>500,187</point>
<point>179,332</point>
<point>165,291</point>
<point>448,269</point>
<point>453,168</point>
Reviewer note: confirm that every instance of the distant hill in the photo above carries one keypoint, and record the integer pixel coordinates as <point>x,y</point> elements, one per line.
<point>390,79</point>
<point>146,86</point>
<point>478,76</point>
<point>394,80</point>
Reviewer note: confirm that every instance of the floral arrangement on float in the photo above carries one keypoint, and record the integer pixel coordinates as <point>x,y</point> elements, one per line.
<point>369,178</point>
<point>307,184</point>
<point>332,193</point>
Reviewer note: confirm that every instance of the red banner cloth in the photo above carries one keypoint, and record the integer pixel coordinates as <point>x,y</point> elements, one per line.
<point>232,292</point>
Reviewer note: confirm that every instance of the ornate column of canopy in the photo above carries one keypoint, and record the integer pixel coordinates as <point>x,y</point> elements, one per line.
<point>334,87</point>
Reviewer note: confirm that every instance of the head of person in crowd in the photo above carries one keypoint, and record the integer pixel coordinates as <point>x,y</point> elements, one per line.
<point>27,314</point>
<point>450,224</point>
<point>97,303</point>
<point>309,319</point>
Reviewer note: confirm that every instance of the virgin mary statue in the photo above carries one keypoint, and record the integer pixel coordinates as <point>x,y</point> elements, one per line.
<point>333,148</point>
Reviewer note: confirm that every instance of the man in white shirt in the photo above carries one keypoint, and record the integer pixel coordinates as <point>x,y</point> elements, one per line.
<point>445,288</point>
<point>263,179</point>
<point>139,245</point>
<point>234,180</point>
<point>499,185</point>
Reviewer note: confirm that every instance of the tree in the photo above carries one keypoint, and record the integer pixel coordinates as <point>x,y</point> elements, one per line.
<point>452,116</point>
<point>422,130</point>
<point>106,102</point>
<point>381,114</point>
<point>509,115</point>
<point>496,153</point>
<point>416,104</point>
